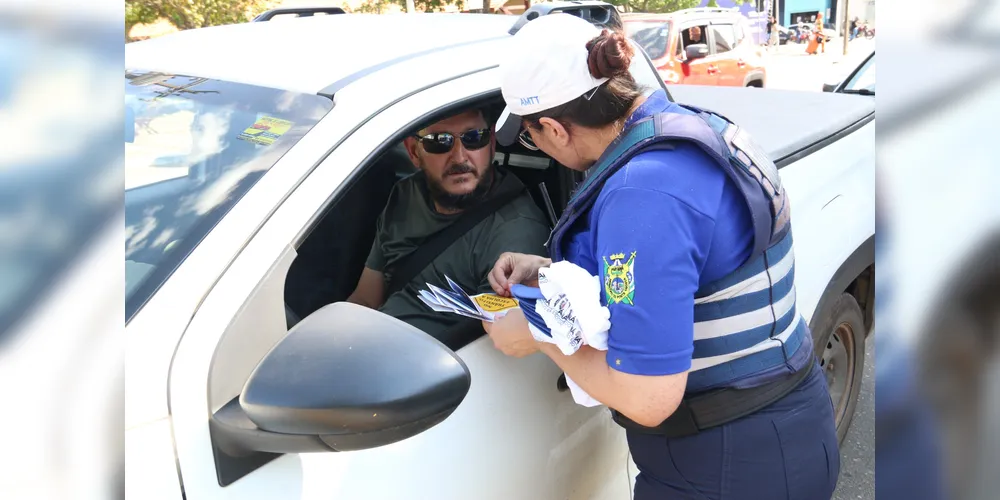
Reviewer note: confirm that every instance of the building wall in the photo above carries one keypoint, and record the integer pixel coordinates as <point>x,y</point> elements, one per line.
<point>802,10</point>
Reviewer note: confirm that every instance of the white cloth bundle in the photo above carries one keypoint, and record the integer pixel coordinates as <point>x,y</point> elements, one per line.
<point>568,302</point>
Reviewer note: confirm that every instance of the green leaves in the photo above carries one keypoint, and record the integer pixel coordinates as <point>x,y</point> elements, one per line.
<point>382,6</point>
<point>188,14</point>
<point>664,6</point>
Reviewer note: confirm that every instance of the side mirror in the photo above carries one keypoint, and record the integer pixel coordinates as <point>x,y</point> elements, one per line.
<point>830,87</point>
<point>344,378</point>
<point>696,51</point>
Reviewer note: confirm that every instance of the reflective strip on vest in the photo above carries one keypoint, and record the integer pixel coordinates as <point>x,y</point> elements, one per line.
<point>747,322</point>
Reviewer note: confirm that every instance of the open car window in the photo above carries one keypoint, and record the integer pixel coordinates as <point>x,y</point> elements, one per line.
<point>193,148</point>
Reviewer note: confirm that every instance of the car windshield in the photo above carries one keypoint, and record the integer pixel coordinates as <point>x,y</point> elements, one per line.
<point>864,79</point>
<point>652,36</point>
<point>193,148</point>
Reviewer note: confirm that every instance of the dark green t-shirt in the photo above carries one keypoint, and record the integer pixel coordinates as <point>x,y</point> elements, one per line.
<point>409,219</point>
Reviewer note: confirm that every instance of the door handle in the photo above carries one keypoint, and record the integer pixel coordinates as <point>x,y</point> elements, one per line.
<point>741,63</point>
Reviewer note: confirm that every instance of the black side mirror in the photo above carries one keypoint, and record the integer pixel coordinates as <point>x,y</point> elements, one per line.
<point>344,378</point>
<point>830,87</point>
<point>696,51</point>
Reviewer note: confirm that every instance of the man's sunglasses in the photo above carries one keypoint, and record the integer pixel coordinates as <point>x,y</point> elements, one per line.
<point>443,142</point>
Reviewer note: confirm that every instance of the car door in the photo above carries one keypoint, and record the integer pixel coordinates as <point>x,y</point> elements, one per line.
<point>515,435</point>
<point>703,71</point>
<point>723,39</point>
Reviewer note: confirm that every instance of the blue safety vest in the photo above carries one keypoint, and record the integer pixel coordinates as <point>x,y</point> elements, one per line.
<point>747,329</point>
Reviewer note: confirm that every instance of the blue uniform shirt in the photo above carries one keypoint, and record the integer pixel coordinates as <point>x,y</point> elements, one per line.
<point>686,224</point>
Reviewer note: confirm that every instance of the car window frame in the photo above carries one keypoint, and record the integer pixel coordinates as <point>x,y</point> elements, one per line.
<point>704,25</point>
<point>732,30</point>
<point>858,70</point>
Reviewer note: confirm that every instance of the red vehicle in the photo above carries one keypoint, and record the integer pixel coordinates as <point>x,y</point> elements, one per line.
<point>705,46</point>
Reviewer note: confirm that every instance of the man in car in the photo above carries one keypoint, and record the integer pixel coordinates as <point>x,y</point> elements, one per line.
<point>694,35</point>
<point>454,158</point>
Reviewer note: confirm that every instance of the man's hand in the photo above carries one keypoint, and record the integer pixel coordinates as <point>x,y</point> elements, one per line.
<point>510,334</point>
<point>515,268</point>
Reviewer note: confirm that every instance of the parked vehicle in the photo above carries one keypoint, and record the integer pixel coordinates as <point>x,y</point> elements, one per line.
<point>725,55</point>
<point>238,388</point>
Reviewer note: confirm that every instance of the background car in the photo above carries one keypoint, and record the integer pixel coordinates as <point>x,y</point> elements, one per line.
<point>726,56</point>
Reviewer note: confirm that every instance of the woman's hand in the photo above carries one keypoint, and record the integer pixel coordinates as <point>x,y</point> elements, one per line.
<point>514,269</point>
<point>510,334</point>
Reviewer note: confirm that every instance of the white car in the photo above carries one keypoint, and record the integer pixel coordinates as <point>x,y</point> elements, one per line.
<point>259,157</point>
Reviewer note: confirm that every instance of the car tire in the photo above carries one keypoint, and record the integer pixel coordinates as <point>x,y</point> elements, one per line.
<point>840,347</point>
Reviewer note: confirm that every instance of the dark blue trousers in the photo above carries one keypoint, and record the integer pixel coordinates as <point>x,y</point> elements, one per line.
<point>786,451</point>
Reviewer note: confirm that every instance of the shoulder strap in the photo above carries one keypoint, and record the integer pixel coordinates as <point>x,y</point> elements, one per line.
<point>411,265</point>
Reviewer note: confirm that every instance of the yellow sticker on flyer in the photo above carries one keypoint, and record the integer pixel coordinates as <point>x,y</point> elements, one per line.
<point>265,130</point>
<point>494,303</point>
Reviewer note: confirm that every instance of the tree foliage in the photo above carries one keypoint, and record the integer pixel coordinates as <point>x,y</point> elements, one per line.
<point>382,6</point>
<point>661,6</point>
<point>188,14</point>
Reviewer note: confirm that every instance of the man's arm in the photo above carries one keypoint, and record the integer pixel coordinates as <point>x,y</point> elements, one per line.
<point>370,291</point>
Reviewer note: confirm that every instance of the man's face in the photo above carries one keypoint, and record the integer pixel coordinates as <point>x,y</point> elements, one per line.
<point>696,34</point>
<point>459,176</point>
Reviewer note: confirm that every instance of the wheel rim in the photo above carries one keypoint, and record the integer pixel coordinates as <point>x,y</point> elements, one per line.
<point>838,366</point>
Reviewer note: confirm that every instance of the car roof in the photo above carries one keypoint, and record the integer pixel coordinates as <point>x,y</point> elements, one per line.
<point>312,54</point>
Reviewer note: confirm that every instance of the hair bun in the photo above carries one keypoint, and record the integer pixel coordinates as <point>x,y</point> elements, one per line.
<point>609,54</point>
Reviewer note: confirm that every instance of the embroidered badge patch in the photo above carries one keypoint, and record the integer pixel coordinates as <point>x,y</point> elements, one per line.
<point>619,279</point>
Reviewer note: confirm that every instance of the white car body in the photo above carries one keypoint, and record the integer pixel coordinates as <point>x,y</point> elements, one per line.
<point>192,346</point>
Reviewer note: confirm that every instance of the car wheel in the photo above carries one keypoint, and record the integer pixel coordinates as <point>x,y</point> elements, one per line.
<point>840,348</point>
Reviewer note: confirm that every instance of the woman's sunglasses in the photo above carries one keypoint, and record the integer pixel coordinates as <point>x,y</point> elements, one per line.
<point>443,142</point>
<point>525,139</point>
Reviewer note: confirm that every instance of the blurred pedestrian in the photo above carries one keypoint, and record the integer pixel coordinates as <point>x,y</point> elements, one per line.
<point>854,29</point>
<point>772,32</point>
<point>821,37</point>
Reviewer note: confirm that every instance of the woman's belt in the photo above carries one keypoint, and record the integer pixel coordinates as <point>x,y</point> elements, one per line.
<point>709,409</point>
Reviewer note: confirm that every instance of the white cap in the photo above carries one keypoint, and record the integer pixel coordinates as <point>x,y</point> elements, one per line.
<point>546,67</point>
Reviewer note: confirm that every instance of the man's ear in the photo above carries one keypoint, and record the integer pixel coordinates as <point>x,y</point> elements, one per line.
<point>411,145</point>
<point>555,132</point>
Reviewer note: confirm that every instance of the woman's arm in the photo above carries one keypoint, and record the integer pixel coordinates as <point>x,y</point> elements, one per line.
<point>647,400</point>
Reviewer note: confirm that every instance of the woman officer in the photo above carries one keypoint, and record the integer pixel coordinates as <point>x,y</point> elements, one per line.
<point>709,366</point>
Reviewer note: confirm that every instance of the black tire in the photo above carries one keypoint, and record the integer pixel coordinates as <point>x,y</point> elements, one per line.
<point>840,346</point>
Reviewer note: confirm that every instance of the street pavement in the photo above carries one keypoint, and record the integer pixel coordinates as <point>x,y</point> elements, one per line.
<point>857,454</point>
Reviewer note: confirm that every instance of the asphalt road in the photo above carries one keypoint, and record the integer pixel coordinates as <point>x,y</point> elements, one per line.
<point>857,454</point>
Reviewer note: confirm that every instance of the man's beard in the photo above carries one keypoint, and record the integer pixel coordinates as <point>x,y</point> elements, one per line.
<point>460,201</point>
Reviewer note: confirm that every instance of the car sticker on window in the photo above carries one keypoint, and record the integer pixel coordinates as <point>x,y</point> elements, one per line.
<point>265,130</point>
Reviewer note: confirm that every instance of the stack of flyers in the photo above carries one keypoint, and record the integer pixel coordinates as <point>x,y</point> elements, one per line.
<point>485,306</point>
